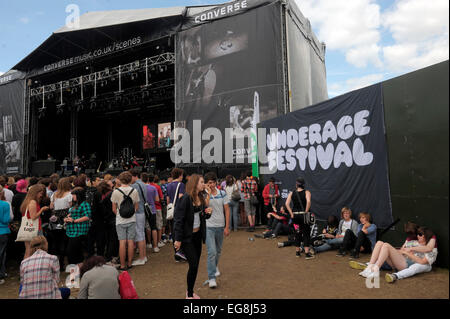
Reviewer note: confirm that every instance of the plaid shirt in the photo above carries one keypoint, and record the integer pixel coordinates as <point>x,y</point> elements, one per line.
<point>79,229</point>
<point>39,277</point>
<point>249,187</point>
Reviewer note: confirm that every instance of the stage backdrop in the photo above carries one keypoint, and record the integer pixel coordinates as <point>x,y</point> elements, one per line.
<point>229,75</point>
<point>339,148</point>
<point>11,124</point>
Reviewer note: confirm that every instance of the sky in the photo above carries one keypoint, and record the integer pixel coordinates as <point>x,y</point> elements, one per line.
<point>367,41</point>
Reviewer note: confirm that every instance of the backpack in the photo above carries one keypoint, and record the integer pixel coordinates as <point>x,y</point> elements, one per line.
<point>126,209</point>
<point>126,286</point>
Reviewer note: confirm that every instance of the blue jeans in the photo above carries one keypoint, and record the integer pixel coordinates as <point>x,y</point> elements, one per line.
<point>214,240</point>
<point>331,243</point>
<point>234,214</point>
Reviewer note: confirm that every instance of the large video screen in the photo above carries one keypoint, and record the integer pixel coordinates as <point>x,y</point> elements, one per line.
<point>148,137</point>
<point>164,132</point>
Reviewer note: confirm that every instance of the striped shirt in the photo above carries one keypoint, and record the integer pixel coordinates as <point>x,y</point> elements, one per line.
<point>77,212</point>
<point>249,187</point>
<point>39,276</point>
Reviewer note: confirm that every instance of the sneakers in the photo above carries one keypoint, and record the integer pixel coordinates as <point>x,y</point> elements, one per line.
<point>341,253</point>
<point>357,265</point>
<point>298,253</point>
<point>280,245</point>
<point>156,250</point>
<point>139,262</point>
<point>149,246</point>
<point>217,272</point>
<point>390,278</point>
<point>308,255</point>
<point>212,283</point>
<point>179,254</point>
<point>258,236</point>
<point>161,244</point>
<point>2,281</point>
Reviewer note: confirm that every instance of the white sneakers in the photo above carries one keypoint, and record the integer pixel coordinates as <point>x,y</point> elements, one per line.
<point>156,250</point>
<point>149,246</point>
<point>370,271</point>
<point>212,283</point>
<point>139,262</point>
<point>161,244</point>
<point>217,272</point>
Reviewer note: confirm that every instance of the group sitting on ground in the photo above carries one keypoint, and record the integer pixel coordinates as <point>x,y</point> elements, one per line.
<point>417,254</point>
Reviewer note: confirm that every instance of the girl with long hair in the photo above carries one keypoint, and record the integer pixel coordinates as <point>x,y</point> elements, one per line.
<point>230,188</point>
<point>190,227</point>
<point>31,206</point>
<point>60,202</point>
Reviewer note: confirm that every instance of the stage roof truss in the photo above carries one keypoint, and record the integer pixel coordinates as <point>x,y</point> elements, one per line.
<point>135,66</point>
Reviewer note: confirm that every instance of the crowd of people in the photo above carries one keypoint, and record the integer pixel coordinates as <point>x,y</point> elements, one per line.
<point>105,225</point>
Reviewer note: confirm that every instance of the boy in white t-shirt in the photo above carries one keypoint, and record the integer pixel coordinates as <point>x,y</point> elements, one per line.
<point>126,227</point>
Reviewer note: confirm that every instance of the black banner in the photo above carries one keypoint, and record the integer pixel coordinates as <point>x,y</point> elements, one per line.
<point>11,126</point>
<point>228,75</point>
<point>229,9</point>
<point>339,148</point>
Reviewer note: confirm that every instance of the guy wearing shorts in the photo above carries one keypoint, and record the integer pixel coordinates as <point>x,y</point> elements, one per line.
<point>249,187</point>
<point>152,231</point>
<point>140,188</point>
<point>126,227</point>
<point>159,218</point>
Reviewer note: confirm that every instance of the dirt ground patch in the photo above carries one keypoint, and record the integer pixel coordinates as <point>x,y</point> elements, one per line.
<point>258,270</point>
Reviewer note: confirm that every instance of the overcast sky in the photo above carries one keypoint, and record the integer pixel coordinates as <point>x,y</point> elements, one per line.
<point>367,41</point>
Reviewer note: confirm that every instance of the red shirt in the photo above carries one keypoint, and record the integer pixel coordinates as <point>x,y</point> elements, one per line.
<point>160,195</point>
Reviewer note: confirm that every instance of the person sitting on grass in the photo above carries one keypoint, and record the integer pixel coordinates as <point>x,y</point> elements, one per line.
<point>280,223</point>
<point>328,233</point>
<point>402,259</point>
<point>98,280</point>
<point>39,273</point>
<point>410,229</point>
<point>346,223</point>
<point>363,241</point>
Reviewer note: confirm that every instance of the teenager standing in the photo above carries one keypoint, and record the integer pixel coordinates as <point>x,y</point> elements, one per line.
<point>190,227</point>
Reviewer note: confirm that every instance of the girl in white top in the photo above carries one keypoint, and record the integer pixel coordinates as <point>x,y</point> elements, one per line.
<point>62,198</point>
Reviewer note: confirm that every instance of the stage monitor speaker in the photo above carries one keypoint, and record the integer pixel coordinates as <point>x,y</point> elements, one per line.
<point>67,173</point>
<point>43,168</point>
<point>114,171</point>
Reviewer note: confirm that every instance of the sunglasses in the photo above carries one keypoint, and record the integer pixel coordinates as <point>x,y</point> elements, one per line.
<point>420,234</point>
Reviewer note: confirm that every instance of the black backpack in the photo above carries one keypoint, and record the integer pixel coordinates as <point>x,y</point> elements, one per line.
<point>126,209</point>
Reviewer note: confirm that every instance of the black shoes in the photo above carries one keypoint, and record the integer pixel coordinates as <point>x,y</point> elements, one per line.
<point>309,256</point>
<point>354,254</point>
<point>341,253</point>
<point>298,253</point>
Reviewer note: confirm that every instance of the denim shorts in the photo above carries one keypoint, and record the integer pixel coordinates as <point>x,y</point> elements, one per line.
<point>409,262</point>
<point>126,231</point>
<point>140,227</point>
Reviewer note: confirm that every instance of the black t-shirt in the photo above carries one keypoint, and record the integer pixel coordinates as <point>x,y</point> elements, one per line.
<point>16,203</point>
<point>297,206</point>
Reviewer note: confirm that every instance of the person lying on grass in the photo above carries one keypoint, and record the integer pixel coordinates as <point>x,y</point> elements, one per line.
<point>403,258</point>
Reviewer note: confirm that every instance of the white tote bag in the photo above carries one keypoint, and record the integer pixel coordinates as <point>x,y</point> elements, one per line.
<point>28,228</point>
<point>171,206</point>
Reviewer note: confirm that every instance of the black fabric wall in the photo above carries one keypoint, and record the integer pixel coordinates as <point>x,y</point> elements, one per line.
<point>416,116</point>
